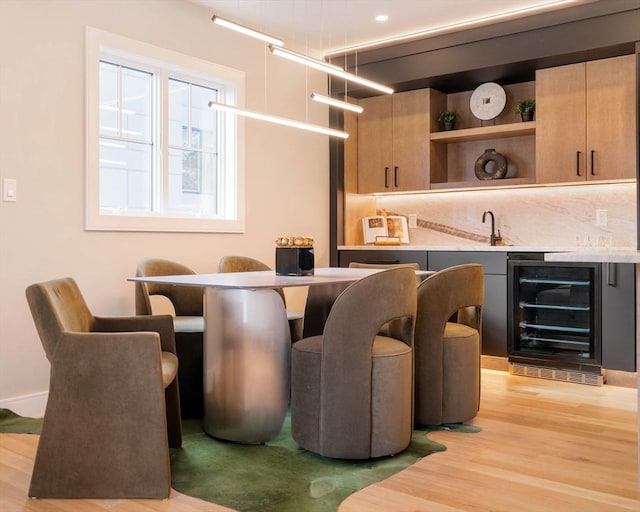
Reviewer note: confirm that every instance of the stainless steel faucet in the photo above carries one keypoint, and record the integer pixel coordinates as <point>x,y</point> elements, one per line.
<point>493,238</point>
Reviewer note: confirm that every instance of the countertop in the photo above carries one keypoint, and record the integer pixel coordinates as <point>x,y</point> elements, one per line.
<point>585,251</point>
<point>593,254</point>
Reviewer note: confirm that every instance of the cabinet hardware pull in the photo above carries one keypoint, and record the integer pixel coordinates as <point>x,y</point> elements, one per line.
<point>593,172</point>
<point>395,176</point>
<point>578,163</point>
<point>611,274</point>
<point>386,177</point>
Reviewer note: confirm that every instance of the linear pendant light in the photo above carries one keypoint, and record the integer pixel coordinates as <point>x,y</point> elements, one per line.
<point>328,68</point>
<point>304,59</point>
<point>336,103</point>
<point>278,120</point>
<point>246,30</point>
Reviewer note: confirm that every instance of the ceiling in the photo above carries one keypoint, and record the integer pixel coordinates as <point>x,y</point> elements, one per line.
<point>331,26</point>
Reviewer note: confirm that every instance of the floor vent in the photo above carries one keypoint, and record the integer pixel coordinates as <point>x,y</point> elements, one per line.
<point>541,372</point>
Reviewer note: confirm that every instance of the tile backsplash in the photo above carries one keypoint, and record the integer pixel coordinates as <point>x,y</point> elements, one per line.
<point>541,216</point>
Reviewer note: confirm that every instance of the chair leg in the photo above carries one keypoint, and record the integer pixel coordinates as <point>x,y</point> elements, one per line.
<point>174,423</point>
<point>189,350</point>
<point>295,329</point>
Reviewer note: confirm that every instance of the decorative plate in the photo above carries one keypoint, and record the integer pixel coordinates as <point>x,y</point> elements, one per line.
<point>488,101</point>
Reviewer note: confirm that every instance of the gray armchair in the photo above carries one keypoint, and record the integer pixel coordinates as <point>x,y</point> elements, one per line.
<point>188,324</point>
<point>246,264</point>
<point>447,345</point>
<point>351,388</point>
<point>113,407</point>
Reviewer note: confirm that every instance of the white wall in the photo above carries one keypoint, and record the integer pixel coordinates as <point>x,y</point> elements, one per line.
<point>42,76</point>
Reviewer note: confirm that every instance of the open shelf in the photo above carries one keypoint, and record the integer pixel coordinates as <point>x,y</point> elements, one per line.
<point>504,182</point>
<point>499,131</point>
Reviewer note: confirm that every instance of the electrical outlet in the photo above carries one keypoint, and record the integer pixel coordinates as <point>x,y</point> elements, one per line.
<point>413,220</point>
<point>601,217</point>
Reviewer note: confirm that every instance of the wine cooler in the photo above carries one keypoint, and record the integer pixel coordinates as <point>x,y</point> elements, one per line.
<point>555,315</point>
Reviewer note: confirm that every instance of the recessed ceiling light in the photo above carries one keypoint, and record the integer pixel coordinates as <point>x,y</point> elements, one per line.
<point>382,17</point>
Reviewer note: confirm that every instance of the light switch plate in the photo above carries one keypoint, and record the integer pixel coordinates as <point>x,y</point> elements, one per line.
<point>9,189</point>
<point>413,220</point>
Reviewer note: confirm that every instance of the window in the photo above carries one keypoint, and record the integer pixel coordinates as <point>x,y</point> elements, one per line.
<point>158,159</point>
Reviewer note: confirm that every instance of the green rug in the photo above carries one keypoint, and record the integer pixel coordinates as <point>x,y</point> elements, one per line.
<point>280,476</point>
<point>11,423</point>
<point>276,477</point>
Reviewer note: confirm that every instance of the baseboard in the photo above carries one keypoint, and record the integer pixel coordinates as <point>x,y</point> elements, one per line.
<point>621,379</point>
<point>494,363</point>
<point>31,406</point>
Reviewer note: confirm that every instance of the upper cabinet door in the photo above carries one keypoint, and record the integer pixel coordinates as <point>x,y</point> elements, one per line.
<point>411,140</point>
<point>393,143</point>
<point>586,121</point>
<point>375,131</point>
<point>561,122</point>
<point>611,114</point>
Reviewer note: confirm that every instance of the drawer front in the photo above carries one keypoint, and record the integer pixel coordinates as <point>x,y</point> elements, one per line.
<point>493,262</point>
<point>389,257</point>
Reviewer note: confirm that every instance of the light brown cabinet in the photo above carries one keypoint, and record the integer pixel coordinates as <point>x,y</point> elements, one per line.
<point>393,143</point>
<point>586,126</point>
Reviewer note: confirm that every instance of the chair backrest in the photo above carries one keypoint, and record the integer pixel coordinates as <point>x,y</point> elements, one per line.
<point>349,334</point>
<point>245,264</point>
<point>241,264</point>
<point>56,307</point>
<point>365,305</point>
<point>186,300</point>
<point>453,290</point>
<point>318,305</point>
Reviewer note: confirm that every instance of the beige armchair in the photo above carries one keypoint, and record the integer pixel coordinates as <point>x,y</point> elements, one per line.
<point>246,264</point>
<point>352,389</point>
<point>447,350</point>
<point>113,408</point>
<point>188,324</point>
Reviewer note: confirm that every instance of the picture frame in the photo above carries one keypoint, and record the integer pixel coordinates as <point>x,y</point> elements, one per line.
<point>385,229</point>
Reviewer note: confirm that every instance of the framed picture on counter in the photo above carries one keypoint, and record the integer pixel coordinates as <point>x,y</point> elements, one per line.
<point>385,230</point>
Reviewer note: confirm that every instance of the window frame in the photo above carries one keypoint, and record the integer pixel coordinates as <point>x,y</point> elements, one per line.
<point>101,45</point>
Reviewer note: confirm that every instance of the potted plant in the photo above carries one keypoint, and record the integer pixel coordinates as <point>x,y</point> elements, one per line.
<point>526,108</point>
<point>448,119</point>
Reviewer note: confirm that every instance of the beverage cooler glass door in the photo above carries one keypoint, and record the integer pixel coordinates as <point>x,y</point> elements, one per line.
<point>555,318</point>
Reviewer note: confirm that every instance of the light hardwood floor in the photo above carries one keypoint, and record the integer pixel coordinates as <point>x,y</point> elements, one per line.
<point>544,446</point>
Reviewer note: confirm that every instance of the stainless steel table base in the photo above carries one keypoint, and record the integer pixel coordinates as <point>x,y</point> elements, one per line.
<point>247,355</point>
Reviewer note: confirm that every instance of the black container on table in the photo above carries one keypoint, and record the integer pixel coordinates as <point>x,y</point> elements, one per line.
<point>294,261</point>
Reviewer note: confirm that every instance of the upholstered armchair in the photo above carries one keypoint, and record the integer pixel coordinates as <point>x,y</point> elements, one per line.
<point>447,345</point>
<point>188,324</point>
<point>113,408</point>
<point>246,264</point>
<point>352,389</point>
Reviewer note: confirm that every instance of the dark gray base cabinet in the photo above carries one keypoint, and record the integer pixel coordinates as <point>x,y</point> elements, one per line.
<point>385,257</point>
<point>494,312</point>
<point>618,318</point>
<point>494,320</point>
